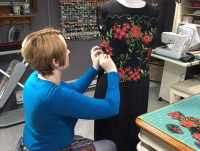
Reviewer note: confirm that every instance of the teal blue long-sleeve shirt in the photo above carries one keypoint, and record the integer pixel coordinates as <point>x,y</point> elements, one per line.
<point>52,111</point>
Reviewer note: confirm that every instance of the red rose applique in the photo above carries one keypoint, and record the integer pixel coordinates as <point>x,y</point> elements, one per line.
<point>196,135</point>
<point>136,32</point>
<point>187,123</point>
<point>147,39</point>
<point>104,44</point>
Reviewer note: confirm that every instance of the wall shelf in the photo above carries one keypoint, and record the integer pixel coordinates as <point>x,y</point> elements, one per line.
<point>185,8</point>
<point>17,19</point>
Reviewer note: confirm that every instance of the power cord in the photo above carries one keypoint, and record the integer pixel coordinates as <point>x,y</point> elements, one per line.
<point>181,76</point>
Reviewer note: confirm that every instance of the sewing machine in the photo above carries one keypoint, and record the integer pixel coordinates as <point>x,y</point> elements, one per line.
<point>177,45</point>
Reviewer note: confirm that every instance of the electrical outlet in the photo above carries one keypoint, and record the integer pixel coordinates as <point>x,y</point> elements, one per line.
<point>19,97</point>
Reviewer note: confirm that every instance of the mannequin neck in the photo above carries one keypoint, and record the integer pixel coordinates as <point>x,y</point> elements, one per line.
<point>132,3</point>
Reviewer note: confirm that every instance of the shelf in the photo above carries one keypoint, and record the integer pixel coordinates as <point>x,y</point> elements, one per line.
<point>191,7</point>
<point>183,23</point>
<point>189,14</point>
<point>17,19</point>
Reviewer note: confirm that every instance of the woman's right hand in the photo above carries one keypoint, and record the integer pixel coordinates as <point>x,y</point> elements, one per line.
<point>107,63</point>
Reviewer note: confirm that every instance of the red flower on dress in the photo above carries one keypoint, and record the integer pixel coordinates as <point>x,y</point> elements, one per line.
<point>118,30</point>
<point>126,69</point>
<point>124,29</point>
<point>147,39</point>
<point>116,35</point>
<point>136,32</point>
<point>104,44</point>
<point>110,48</point>
<point>110,53</point>
<point>129,78</point>
<point>187,123</point>
<point>121,73</point>
<point>138,76</point>
<point>128,26</point>
<point>126,36</point>
<point>114,27</point>
<point>149,54</point>
<point>107,50</point>
<point>122,33</point>
<point>196,135</point>
<point>120,37</point>
<point>130,72</point>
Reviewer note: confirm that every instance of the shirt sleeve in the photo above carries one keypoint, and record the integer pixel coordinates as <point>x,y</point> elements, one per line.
<point>71,103</point>
<point>82,83</point>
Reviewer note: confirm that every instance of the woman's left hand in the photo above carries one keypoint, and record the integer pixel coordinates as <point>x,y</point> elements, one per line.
<point>95,57</point>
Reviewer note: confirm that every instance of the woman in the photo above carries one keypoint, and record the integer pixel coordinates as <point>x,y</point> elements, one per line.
<point>52,106</point>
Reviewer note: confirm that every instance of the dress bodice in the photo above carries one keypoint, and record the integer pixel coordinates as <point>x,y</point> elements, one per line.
<point>128,35</point>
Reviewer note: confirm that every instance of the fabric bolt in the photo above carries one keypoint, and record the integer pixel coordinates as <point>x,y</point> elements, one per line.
<point>52,111</point>
<point>128,36</point>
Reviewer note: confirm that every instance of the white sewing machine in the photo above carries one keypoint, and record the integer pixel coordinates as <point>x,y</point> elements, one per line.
<point>177,45</point>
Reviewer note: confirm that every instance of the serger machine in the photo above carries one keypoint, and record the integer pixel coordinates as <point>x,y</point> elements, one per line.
<point>177,45</point>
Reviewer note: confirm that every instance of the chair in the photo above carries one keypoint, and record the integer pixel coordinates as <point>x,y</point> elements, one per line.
<point>184,89</point>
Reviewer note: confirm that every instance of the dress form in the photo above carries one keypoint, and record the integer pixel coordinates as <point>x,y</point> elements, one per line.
<point>132,3</point>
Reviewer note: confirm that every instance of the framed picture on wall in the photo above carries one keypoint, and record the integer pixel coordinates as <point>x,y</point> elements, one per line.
<point>15,2</point>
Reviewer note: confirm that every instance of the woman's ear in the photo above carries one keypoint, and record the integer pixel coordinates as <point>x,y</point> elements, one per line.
<point>55,63</point>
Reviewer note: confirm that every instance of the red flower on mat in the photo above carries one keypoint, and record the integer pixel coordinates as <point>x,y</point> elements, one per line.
<point>171,113</point>
<point>197,143</point>
<point>196,119</point>
<point>196,135</point>
<point>136,32</point>
<point>180,132</point>
<point>181,116</point>
<point>104,44</point>
<point>187,123</point>
<point>121,73</point>
<point>147,39</point>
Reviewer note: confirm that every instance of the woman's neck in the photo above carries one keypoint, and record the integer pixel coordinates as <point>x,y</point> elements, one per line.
<point>132,3</point>
<point>55,78</point>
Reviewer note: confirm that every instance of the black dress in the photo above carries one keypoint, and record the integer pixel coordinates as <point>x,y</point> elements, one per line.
<point>128,35</point>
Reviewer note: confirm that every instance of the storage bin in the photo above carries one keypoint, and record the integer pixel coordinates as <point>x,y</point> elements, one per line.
<point>187,19</point>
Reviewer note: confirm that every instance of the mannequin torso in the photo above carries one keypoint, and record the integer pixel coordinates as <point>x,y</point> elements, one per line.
<point>132,3</point>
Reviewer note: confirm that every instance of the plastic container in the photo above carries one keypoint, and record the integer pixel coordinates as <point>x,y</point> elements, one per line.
<point>187,19</point>
<point>196,4</point>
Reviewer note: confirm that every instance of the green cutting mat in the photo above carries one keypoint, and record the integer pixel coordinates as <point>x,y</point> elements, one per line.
<point>189,107</point>
<point>197,58</point>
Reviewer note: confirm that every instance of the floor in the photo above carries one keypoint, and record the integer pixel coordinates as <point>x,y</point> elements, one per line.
<point>9,136</point>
